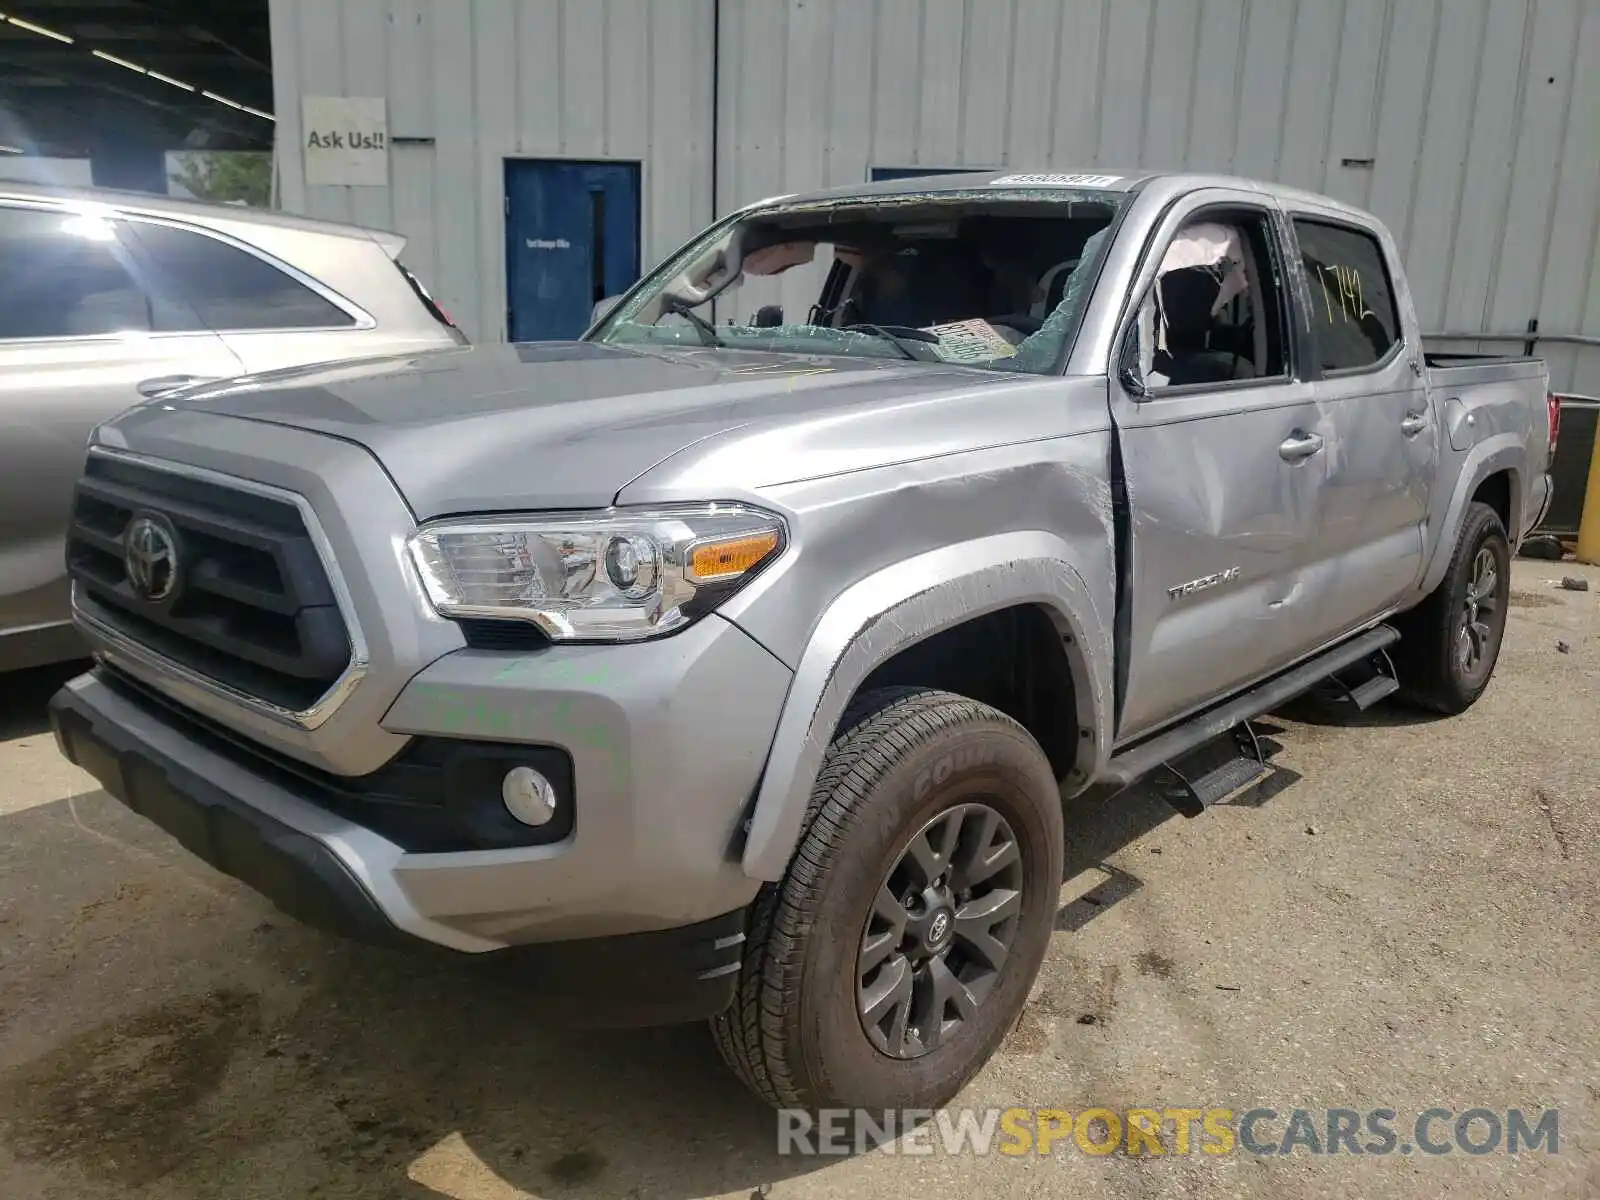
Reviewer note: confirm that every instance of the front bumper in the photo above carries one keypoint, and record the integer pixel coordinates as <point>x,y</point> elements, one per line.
<point>197,798</point>
<point>667,741</point>
<point>293,854</point>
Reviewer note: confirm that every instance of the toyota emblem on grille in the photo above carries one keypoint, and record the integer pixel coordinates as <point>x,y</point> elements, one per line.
<point>150,556</point>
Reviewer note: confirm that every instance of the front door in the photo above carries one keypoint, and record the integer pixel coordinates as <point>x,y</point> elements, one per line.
<point>572,239</point>
<point>1222,463</point>
<point>1383,441</point>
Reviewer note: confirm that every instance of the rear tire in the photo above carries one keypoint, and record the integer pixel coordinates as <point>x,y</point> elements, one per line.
<point>1449,644</point>
<point>919,786</point>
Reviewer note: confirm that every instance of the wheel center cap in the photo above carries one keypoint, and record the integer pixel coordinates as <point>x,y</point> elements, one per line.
<point>940,927</point>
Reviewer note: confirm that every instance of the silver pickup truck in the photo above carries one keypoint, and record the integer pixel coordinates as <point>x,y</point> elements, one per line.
<point>732,664</point>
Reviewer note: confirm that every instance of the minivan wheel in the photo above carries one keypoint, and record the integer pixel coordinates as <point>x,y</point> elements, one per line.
<point>1450,643</point>
<point>891,960</point>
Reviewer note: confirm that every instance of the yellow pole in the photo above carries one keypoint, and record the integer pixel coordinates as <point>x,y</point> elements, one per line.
<point>1589,523</point>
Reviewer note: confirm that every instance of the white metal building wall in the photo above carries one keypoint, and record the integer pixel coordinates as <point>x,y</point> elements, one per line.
<point>1480,118</point>
<point>1472,127</point>
<point>471,83</point>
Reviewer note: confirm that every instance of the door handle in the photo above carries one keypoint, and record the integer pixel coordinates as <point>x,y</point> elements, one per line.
<point>1413,423</point>
<point>1299,445</point>
<point>161,384</point>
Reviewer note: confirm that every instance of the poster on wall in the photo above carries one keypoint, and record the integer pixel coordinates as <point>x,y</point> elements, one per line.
<point>345,140</point>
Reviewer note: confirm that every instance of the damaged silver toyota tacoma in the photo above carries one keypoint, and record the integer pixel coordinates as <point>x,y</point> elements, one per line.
<point>732,661</point>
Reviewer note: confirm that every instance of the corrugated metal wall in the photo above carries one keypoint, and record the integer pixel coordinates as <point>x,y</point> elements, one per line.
<point>1472,127</point>
<point>471,83</point>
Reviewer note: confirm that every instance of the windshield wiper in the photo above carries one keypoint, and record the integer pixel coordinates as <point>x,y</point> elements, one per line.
<point>706,331</point>
<point>899,340</point>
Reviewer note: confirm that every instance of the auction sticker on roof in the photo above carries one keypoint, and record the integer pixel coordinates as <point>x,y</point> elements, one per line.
<point>1089,181</point>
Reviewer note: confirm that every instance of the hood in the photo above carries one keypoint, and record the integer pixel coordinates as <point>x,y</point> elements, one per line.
<point>554,424</point>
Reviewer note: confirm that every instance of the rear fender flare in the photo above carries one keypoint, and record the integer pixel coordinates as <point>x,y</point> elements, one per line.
<point>1500,453</point>
<point>881,615</point>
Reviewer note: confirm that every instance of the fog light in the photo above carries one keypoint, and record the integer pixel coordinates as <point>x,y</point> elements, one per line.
<point>528,796</point>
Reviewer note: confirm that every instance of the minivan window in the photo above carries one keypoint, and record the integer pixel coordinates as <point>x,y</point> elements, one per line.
<point>232,290</point>
<point>66,275</point>
<point>1354,318</point>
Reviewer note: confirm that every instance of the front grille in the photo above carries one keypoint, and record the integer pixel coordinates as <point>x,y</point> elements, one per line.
<point>251,605</point>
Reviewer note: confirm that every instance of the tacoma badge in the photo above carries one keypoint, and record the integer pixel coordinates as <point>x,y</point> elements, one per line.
<point>1201,584</point>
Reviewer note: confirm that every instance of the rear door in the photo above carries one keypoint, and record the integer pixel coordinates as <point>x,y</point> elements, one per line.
<point>1383,439</point>
<point>1222,458</point>
<point>81,330</point>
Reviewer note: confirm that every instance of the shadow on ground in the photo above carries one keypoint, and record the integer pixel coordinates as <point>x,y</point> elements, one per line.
<point>241,1047</point>
<point>24,696</point>
<point>1312,709</point>
<point>166,1033</point>
<point>243,1043</point>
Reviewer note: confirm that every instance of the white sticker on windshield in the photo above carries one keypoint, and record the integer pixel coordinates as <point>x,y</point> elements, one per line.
<point>971,341</point>
<point>1086,181</point>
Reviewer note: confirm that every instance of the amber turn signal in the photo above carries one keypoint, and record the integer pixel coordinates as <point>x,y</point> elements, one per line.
<point>728,558</point>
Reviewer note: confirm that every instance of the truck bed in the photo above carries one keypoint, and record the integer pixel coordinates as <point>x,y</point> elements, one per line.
<point>1495,402</point>
<point>1462,370</point>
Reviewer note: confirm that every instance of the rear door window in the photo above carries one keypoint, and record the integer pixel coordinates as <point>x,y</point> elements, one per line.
<point>1353,313</point>
<point>63,275</point>
<point>231,290</point>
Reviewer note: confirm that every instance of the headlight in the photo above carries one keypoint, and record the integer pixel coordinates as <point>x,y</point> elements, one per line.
<point>618,575</point>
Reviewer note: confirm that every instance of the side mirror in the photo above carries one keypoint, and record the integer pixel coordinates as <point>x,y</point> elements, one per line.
<point>602,309</point>
<point>768,316</point>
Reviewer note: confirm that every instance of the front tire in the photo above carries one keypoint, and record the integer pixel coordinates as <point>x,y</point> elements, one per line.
<point>1450,643</point>
<point>891,960</point>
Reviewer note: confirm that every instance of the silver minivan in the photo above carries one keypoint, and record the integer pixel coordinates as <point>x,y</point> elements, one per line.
<point>110,298</point>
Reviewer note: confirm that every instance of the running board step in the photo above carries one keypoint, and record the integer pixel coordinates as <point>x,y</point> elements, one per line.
<point>1194,795</point>
<point>1365,695</point>
<point>1380,682</point>
<point>1138,761</point>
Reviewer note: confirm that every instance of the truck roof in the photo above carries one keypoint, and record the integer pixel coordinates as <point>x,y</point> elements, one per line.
<point>964,181</point>
<point>1107,179</point>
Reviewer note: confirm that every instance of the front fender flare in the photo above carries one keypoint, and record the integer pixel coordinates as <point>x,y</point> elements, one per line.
<point>896,607</point>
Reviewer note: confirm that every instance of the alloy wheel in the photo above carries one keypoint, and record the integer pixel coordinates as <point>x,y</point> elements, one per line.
<point>940,930</point>
<point>1481,616</point>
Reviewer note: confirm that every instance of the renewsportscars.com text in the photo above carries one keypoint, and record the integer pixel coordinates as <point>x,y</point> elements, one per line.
<point>1153,1131</point>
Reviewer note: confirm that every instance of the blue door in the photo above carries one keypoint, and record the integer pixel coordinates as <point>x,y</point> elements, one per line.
<point>572,238</point>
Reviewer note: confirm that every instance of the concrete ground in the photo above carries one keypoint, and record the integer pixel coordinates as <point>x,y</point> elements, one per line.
<point>1403,917</point>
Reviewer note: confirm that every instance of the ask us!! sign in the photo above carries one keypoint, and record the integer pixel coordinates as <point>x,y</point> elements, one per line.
<point>345,140</point>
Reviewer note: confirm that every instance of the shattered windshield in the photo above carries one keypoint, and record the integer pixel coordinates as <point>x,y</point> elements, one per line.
<point>980,279</point>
